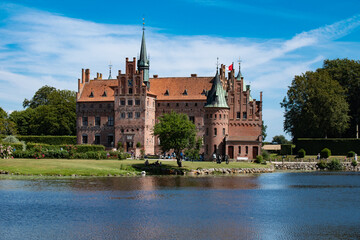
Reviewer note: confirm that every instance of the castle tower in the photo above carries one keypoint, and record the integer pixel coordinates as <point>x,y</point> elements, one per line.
<point>143,62</point>
<point>216,119</point>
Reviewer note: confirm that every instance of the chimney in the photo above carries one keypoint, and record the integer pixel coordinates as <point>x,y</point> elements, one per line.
<point>194,75</point>
<point>97,75</point>
<point>82,76</point>
<point>260,96</point>
<point>87,75</point>
<point>155,76</point>
<point>100,75</point>
<point>79,84</point>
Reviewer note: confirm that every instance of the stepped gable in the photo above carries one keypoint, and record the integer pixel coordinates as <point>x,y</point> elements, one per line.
<point>180,88</point>
<point>97,88</point>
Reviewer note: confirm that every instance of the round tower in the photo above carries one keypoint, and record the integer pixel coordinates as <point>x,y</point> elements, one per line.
<point>216,120</point>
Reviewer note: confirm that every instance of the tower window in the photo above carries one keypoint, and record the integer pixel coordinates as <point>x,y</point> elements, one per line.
<point>244,115</point>
<point>130,91</point>
<point>110,121</point>
<point>97,139</point>
<point>84,139</point>
<point>223,131</point>
<point>246,149</point>
<point>84,121</point>
<point>239,149</point>
<point>192,119</point>
<point>207,131</point>
<point>215,131</point>
<point>97,121</point>
<point>238,115</point>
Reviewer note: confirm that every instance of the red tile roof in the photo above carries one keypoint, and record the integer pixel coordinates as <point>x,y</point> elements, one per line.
<point>176,86</point>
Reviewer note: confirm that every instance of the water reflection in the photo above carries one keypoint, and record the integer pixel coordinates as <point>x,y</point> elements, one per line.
<point>266,206</point>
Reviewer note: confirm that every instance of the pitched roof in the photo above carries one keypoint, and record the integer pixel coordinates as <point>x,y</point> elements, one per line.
<point>97,88</point>
<point>180,88</point>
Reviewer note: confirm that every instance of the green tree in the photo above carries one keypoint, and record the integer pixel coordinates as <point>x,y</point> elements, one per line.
<point>315,106</point>
<point>40,98</point>
<point>347,73</point>
<point>280,139</point>
<point>49,112</point>
<point>176,132</point>
<point>7,126</point>
<point>263,131</point>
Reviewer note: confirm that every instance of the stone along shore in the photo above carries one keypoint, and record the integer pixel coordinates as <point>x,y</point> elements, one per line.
<point>310,166</point>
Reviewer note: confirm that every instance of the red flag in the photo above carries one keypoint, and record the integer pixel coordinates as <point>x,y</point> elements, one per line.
<point>231,67</point>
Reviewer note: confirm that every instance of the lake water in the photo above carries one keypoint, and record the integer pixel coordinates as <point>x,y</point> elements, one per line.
<point>267,206</point>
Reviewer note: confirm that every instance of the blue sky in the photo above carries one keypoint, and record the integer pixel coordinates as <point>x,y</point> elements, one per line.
<point>48,42</point>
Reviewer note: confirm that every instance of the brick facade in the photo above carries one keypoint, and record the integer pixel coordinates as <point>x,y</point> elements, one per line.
<point>126,109</point>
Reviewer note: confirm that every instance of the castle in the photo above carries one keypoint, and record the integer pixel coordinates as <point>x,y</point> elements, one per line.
<point>125,109</point>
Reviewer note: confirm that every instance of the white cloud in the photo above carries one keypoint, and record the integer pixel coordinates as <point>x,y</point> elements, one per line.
<point>39,48</point>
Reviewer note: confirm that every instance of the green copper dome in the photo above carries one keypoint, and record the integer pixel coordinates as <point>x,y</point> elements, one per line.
<point>216,96</point>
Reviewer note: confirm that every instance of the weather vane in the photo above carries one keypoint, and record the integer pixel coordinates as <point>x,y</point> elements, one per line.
<point>143,23</point>
<point>217,63</point>
<point>110,66</point>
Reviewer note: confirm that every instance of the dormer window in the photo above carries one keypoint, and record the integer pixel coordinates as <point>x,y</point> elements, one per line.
<point>166,93</point>
<point>203,92</point>
<point>91,94</point>
<point>104,94</point>
<point>185,92</point>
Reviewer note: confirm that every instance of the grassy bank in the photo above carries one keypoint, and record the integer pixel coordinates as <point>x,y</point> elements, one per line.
<point>68,167</point>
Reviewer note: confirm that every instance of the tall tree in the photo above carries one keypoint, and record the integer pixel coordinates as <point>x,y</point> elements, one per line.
<point>176,132</point>
<point>7,127</point>
<point>315,106</point>
<point>347,73</point>
<point>49,112</point>
<point>280,139</point>
<point>40,98</point>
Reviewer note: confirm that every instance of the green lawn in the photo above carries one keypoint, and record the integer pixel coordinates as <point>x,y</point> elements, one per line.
<point>68,167</point>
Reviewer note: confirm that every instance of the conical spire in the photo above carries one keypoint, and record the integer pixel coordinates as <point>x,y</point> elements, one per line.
<point>143,62</point>
<point>216,96</point>
<point>239,76</point>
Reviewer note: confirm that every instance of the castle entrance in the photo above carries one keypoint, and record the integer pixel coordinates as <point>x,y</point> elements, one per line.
<point>255,152</point>
<point>129,142</point>
<point>231,152</point>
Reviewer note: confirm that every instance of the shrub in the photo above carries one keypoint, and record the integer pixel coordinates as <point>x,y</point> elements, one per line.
<point>138,144</point>
<point>11,139</point>
<point>301,153</point>
<point>286,149</point>
<point>83,148</point>
<point>351,154</point>
<point>6,151</point>
<point>23,154</point>
<point>265,154</point>
<point>334,165</point>
<point>259,159</point>
<point>123,155</point>
<point>120,146</point>
<point>354,163</point>
<point>322,164</point>
<point>96,155</point>
<point>325,153</point>
<point>51,140</point>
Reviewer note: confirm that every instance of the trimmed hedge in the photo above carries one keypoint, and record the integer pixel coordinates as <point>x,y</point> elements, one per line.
<point>301,153</point>
<point>338,146</point>
<point>17,146</point>
<point>89,148</point>
<point>325,153</point>
<point>287,149</point>
<point>51,140</point>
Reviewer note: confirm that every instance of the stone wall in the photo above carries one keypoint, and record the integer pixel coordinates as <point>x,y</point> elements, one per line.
<point>309,166</point>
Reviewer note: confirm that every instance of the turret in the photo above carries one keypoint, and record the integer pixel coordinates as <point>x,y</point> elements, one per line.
<point>216,119</point>
<point>143,62</point>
